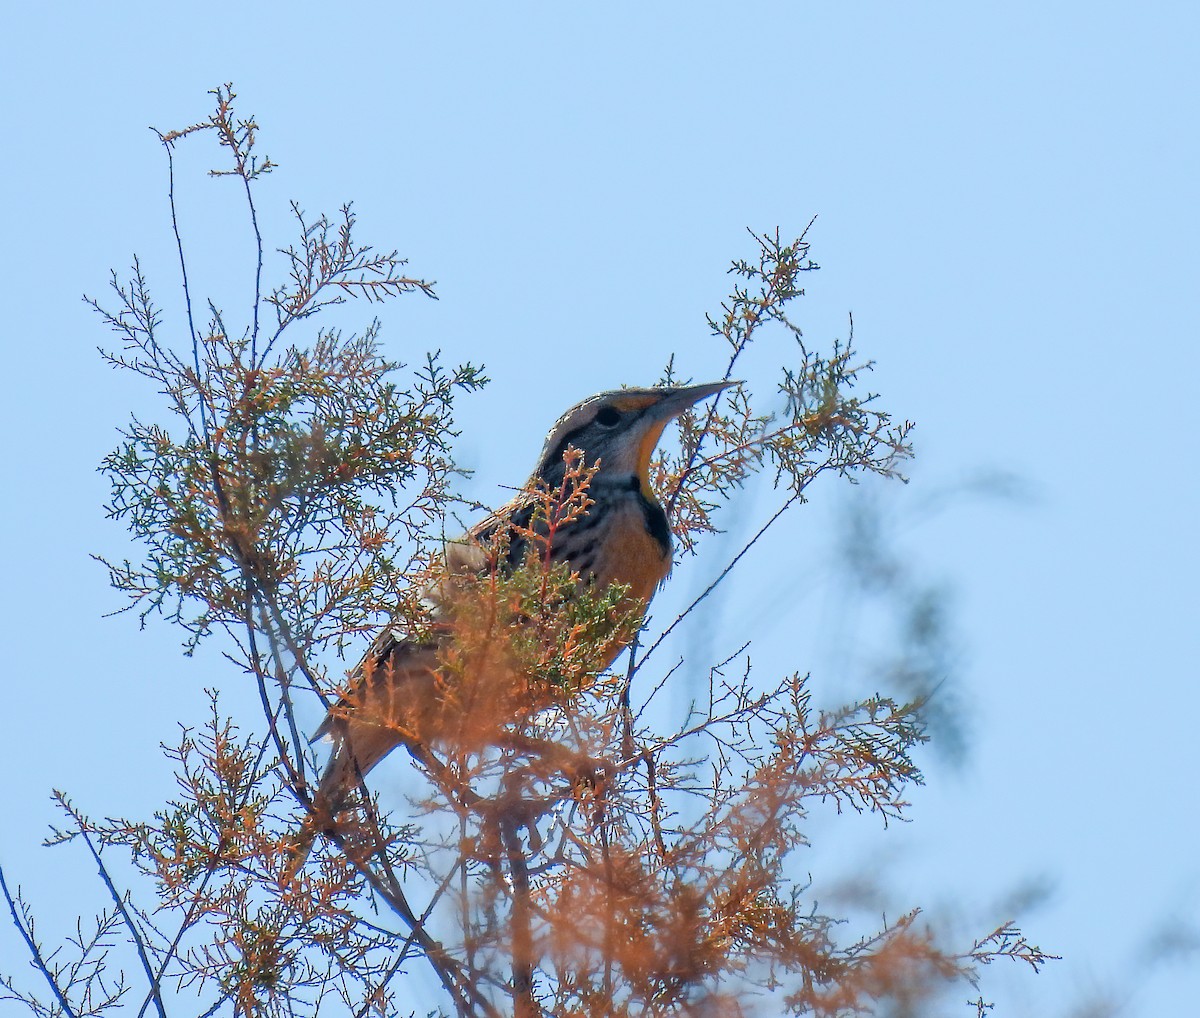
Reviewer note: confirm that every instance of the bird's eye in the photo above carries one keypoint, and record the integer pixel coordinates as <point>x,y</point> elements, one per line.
<point>608,417</point>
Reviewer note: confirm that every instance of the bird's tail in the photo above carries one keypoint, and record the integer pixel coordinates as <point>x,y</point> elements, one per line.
<point>328,801</point>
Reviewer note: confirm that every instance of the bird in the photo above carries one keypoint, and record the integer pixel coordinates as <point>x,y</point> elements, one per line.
<point>400,693</point>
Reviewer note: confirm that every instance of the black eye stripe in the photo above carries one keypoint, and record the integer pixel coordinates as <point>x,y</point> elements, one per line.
<point>608,416</point>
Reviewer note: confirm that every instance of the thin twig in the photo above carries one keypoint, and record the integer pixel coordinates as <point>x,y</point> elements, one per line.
<point>39,962</point>
<point>721,576</point>
<point>138,943</point>
<point>168,144</point>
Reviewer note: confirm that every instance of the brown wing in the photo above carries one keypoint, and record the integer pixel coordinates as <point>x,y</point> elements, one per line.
<point>385,702</point>
<point>392,691</point>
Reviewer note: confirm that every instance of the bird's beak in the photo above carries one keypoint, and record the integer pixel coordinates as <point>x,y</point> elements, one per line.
<point>673,402</point>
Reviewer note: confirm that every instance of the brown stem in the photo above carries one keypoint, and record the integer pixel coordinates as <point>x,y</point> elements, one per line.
<point>524,1005</point>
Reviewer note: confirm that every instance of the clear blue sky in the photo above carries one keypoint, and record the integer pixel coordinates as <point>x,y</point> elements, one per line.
<point>1008,205</point>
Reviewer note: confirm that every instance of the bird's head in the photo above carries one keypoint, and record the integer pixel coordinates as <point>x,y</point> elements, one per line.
<point>620,429</point>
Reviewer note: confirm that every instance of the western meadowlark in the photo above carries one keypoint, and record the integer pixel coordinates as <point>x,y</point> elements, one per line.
<point>397,692</point>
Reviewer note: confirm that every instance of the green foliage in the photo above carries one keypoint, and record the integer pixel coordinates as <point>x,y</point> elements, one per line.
<point>566,855</point>
<point>314,471</point>
<point>825,424</point>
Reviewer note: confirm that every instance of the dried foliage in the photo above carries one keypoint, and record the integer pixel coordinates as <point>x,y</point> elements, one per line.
<point>557,853</point>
